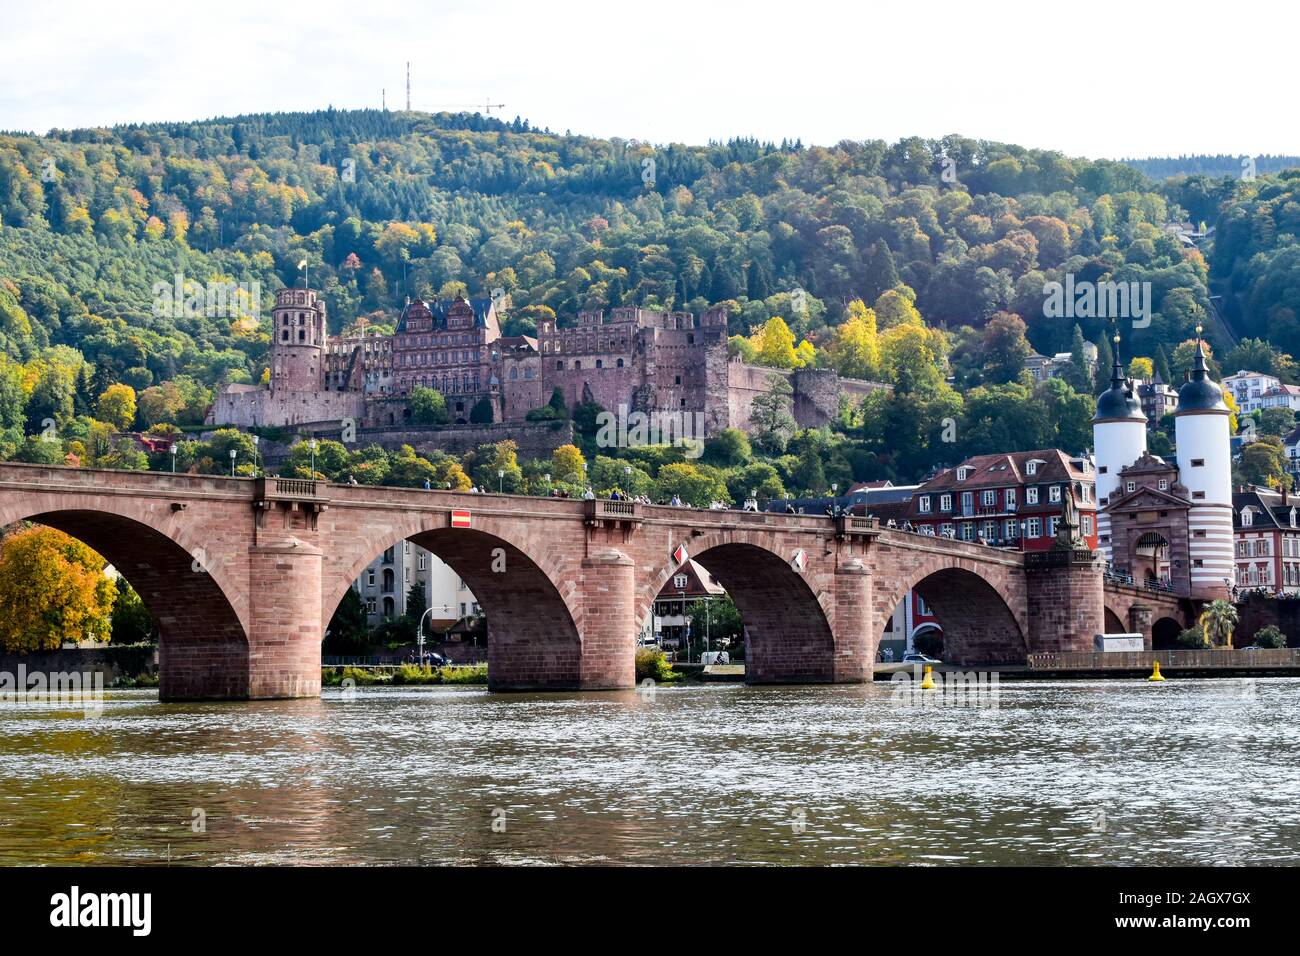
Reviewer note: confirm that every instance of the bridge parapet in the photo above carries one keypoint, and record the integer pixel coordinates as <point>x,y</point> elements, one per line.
<point>602,512</point>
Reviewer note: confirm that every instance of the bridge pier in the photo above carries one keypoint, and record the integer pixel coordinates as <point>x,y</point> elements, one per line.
<point>608,621</point>
<point>1066,600</point>
<point>855,632</point>
<point>281,657</point>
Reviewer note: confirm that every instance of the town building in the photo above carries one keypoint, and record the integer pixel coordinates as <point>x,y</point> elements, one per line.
<point>1162,523</point>
<point>1157,398</point>
<point>1266,528</point>
<point>1011,500</point>
<point>1249,388</point>
<point>671,623</point>
<point>635,360</point>
<point>386,582</point>
<point>1043,367</point>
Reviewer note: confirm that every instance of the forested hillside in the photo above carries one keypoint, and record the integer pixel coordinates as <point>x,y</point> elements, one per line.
<point>911,262</point>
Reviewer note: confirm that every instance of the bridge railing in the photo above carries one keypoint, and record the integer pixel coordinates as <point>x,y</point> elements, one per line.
<point>292,488</point>
<point>1142,660</point>
<point>599,510</point>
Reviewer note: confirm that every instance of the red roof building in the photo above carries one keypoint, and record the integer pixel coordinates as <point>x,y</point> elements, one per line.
<point>1010,500</point>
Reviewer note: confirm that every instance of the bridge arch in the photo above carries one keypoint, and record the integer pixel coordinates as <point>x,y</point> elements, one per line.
<point>1114,623</point>
<point>787,618</point>
<point>972,603</point>
<point>1164,633</point>
<point>191,582</point>
<point>532,606</point>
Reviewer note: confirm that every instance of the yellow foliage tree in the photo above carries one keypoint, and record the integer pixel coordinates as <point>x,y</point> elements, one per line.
<point>774,345</point>
<point>567,461</point>
<point>896,307</point>
<point>52,589</point>
<point>855,345</point>
<point>117,406</point>
<point>1142,368</point>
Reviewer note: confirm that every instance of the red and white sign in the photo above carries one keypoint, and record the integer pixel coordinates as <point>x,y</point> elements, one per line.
<point>460,519</point>
<point>800,560</point>
<point>680,554</point>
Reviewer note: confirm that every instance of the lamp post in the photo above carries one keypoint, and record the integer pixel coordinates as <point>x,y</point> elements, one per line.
<point>173,457</point>
<point>686,632</point>
<point>234,453</point>
<point>501,478</point>
<point>627,478</point>
<point>312,445</point>
<point>419,630</point>
<point>547,478</point>
<point>256,441</point>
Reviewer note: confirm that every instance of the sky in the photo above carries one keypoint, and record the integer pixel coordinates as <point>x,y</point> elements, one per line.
<point>1098,79</point>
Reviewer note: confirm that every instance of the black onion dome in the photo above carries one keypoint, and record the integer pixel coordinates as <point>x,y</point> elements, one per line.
<point>1200,393</point>
<point>1118,401</point>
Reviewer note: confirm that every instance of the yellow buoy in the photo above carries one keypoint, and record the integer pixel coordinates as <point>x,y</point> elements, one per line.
<point>927,678</point>
<point>1155,674</point>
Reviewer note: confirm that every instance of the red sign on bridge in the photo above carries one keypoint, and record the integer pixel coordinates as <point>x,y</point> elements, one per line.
<point>460,519</point>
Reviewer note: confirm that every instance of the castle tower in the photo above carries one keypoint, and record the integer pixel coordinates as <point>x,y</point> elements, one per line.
<point>1119,434</point>
<point>1205,469</point>
<point>298,340</point>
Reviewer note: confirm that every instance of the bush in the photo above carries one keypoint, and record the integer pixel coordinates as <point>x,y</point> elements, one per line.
<point>1270,636</point>
<point>653,663</point>
<point>1193,639</point>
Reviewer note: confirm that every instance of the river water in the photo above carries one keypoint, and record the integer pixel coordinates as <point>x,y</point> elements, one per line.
<point>1186,772</point>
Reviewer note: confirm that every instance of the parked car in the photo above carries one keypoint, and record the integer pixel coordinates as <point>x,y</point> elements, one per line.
<point>920,659</point>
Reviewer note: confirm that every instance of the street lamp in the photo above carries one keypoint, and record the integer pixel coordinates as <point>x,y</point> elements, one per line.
<point>234,453</point>
<point>312,445</point>
<point>173,457</point>
<point>419,630</point>
<point>501,477</point>
<point>256,440</point>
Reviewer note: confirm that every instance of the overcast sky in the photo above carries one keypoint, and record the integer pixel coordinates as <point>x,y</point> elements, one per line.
<point>1103,78</point>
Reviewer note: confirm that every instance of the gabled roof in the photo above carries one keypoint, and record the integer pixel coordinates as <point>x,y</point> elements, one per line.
<point>1268,505</point>
<point>1001,470</point>
<point>484,313</point>
<point>1141,498</point>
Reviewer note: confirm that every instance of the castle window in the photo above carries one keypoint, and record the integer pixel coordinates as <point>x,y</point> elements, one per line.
<point>528,373</point>
<point>514,374</point>
<point>1163,484</point>
<point>559,365</point>
<point>620,363</point>
<point>284,336</point>
<point>1198,462</point>
<point>677,380</point>
<point>302,335</point>
<point>1130,486</point>
<point>690,339</point>
<point>600,363</point>
<point>577,363</point>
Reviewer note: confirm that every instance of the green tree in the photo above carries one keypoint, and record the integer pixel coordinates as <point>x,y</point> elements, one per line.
<point>771,419</point>
<point>348,633</point>
<point>716,622</point>
<point>131,622</point>
<point>428,407</point>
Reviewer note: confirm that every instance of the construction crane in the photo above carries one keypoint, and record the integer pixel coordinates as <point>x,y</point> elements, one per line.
<point>486,107</point>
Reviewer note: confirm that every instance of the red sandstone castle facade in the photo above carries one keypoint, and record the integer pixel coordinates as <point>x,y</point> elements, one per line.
<point>641,359</point>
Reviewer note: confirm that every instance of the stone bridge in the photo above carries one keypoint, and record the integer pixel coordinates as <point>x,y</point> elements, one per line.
<point>243,576</point>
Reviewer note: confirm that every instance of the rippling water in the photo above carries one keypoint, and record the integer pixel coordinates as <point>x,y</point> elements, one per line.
<point>1188,772</point>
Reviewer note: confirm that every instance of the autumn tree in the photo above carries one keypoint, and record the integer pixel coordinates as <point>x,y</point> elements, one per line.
<point>52,589</point>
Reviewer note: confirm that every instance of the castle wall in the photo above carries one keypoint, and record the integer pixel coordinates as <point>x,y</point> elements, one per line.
<point>262,407</point>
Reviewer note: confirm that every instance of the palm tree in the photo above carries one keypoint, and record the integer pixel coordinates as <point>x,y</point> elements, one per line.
<point>1218,620</point>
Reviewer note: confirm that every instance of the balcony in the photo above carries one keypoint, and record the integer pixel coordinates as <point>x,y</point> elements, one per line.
<point>603,512</point>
